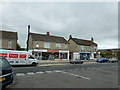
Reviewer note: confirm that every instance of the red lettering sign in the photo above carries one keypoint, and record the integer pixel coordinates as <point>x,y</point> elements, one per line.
<point>3,55</point>
<point>13,55</point>
<point>22,55</point>
<point>52,51</point>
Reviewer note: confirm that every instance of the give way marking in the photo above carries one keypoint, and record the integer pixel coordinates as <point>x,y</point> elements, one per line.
<point>77,75</point>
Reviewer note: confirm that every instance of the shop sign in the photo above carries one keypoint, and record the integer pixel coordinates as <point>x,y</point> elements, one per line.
<point>84,52</point>
<point>52,51</point>
<point>63,51</point>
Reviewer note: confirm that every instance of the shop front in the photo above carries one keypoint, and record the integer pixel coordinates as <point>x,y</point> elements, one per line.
<point>85,55</point>
<point>50,54</point>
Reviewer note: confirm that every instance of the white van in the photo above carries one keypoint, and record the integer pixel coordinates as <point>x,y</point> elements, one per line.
<point>18,57</point>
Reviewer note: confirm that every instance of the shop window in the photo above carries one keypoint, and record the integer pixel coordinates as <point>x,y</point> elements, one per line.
<point>9,43</point>
<point>58,45</point>
<point>46,45</point>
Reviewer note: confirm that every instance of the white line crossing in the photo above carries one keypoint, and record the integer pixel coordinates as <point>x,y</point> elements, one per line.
<point>20,74</point>
<point>40,72</point>
<point>48,71</point>
<point>57,71</point>
<point>30,73</point>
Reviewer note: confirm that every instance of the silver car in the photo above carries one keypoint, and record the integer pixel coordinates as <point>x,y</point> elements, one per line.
<point>113,60</point>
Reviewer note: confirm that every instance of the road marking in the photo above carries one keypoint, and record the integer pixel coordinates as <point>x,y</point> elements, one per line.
<point>57,71</point>
<point>30,73</point>
<point>22,67</point>
<point>40,72</point>
<point>48,71</point>
<point>53,64</point>
<point>77,75</point>
<point>20,74</point>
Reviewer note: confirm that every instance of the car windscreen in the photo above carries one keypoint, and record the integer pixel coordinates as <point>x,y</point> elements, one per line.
<point>4,63</point>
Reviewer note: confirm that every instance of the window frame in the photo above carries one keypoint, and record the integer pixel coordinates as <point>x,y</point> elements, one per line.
<point>58,45</point>
<point>46,45</point>
<point>9,43</point>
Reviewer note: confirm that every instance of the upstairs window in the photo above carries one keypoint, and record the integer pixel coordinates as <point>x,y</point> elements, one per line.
<point>58,45</point>
<point>9,43</point>
<point>66,46</point>
<point>0,43</point>
<point>37,44</point>
<point>82,47</point>
<point>46,45</point>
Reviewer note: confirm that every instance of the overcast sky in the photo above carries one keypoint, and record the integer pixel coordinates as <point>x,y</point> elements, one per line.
<point>80,19</point>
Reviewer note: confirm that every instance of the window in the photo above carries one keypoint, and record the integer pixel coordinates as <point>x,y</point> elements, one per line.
<point>95,48</point>
<point>82,47</point>
<point>88,47</point>
<point>37,44</point>
<point>9,43</point>
<point>46,45</point>
<point>58,45</point>
<point>66,46</point>
<point>0,43</point>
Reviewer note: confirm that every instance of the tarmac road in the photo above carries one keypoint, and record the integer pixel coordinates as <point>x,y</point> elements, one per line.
<point>91,75</point>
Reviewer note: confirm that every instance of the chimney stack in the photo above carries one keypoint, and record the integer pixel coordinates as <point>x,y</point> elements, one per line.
<point>48,33</point>
<point>92,39</point>
<point>28,29</point>
<point>70,37</point>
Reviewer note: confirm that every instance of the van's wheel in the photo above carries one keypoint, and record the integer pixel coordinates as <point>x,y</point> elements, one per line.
<point>34,64</point>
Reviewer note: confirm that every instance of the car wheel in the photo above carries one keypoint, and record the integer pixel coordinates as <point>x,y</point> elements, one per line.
<point>34,64</point>
<point>81,62</point>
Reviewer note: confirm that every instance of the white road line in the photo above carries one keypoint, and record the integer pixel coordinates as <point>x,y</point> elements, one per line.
<point>20,74</point>
<point>40,72</point>
<point>22,67</point>
<point>30,73</point>
<point>77,75</point>
<point>48,71</point>
<point>57,71</point>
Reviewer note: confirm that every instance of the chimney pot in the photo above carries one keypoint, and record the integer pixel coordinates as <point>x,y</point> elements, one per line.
<point>48,33</point>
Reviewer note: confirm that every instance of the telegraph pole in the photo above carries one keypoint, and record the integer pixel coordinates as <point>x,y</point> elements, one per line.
<point>28,37</point>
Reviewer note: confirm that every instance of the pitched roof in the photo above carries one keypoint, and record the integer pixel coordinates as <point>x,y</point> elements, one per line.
<point>8,35</point>
<point>48,38</point>
<point>83,42</point>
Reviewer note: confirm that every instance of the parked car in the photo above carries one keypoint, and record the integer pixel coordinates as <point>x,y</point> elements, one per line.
<point>76,61</point>
<point>102,60</point>
<point>6,74</point>
<point>113,60</point>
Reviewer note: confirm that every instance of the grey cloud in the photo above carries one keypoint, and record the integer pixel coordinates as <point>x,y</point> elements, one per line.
<point>82,20</point>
